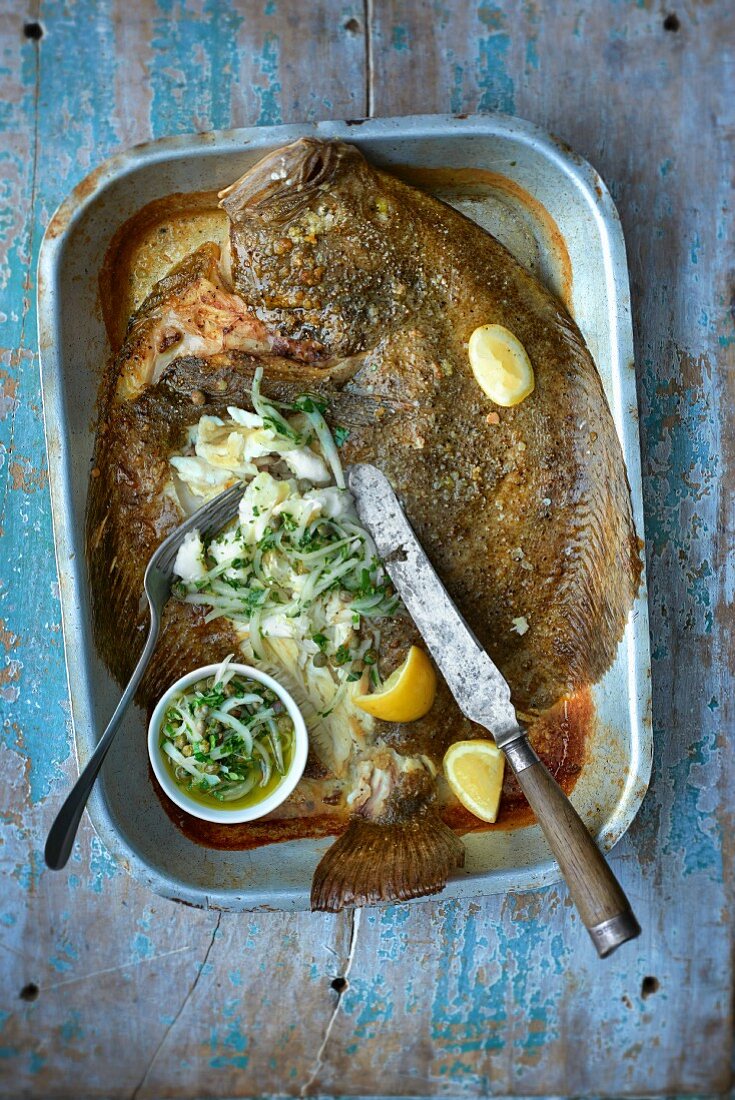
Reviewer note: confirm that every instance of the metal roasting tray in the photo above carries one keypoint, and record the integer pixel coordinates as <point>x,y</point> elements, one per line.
<point>570,209</point>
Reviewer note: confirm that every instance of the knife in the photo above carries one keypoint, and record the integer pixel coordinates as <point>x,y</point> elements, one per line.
<point>483,695</point>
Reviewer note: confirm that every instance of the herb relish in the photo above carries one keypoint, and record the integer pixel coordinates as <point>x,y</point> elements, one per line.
<point>227,739</point>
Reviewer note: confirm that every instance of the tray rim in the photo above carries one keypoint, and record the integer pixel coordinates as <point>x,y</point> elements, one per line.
<point>591,186</point>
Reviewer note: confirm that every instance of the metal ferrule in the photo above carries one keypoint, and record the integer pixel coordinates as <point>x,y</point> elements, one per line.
<point>519,752</point>
<point>611,933</point>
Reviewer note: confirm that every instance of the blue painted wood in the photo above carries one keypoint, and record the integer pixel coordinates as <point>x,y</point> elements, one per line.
<point>141,997</point>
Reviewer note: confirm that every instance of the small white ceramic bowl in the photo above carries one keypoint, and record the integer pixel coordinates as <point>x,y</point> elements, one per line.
<point>224,816</point>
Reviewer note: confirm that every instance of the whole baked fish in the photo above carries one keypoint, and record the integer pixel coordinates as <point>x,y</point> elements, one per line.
<point>352,284</point>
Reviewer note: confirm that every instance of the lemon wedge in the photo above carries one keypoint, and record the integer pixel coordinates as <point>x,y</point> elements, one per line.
<point>500,364</point>
<point>474,771</point>
<point>407,694</point>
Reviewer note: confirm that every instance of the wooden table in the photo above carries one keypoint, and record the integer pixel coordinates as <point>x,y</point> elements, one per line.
<point>110,991</point>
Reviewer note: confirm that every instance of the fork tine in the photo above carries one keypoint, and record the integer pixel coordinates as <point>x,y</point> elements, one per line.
<point>166,561</point>
<point>224,508</point>
<point>208,519</point>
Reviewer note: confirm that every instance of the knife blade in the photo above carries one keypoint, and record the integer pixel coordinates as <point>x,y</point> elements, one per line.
<point>477,684</point>
<point>483,695</point>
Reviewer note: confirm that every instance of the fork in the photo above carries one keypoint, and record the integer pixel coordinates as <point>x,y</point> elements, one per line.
<point>209,519</point>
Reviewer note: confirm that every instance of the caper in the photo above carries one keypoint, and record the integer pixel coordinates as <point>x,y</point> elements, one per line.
<point>203,711</point>
<point>284,724</point>
<point>270,695</point>
<point>212,769</point>
<point>180,741</point>
<point>187,750</point>
<point>180,773</point>
<point>303,485</point>
<point>319,660</point>
<point>199,726</point>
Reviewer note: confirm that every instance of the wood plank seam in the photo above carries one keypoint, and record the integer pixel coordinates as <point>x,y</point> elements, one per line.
<point>368,20</point>
<point>182,1006</point>
<point>355,915</point>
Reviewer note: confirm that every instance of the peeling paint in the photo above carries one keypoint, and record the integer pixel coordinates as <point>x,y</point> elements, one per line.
<point>494,80</point>
<point>268,92</point>
<point>101,866</point>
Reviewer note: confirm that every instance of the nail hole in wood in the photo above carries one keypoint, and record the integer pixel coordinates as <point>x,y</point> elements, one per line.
<point>353,26</point>
<point>672,22</point>
<point>649,986</point>
<point>29,992</point>
<point>339,985</point>
<point>33,30</point>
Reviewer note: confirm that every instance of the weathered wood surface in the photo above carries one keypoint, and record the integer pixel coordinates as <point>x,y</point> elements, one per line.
<point>110,991</point>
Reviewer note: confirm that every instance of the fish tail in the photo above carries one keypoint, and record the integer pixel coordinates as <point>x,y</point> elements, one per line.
<point>373,863</point>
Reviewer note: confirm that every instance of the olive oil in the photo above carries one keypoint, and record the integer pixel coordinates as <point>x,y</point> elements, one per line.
<point>252,798</point>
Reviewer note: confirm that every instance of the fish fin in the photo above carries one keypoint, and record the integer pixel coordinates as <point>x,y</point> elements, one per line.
<point>374,864</point>
<point>284,182</point>
<point>202,263</point>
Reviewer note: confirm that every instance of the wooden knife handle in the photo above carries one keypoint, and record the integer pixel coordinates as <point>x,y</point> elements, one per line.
<point>597,894</point>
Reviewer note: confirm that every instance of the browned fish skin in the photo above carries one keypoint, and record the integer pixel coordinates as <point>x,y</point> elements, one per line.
<point>526,518</point>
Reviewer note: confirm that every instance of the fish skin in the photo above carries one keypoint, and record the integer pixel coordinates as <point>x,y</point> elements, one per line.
<point>129,514</point>
<point>528,517</point>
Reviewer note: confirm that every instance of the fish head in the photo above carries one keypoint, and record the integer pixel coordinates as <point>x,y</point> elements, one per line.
<point>313,234</point>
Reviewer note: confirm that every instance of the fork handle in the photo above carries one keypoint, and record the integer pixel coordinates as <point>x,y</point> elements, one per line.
<point>60,840</point>
<point>605,910</point>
